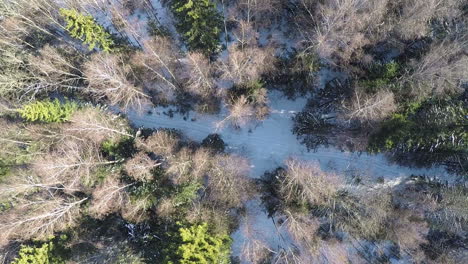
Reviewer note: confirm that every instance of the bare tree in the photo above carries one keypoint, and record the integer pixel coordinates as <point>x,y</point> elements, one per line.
<point>198,75</point>
<point>303,228</point>
<point>306,182</point>
<point>38,217</point>
<point>180,166</point>
<point>136,210</point>
<point>109,197</point>
<point>161,142</point>
<point>54,70</point>
<point>246,35</point>
<point>344,27</point>
<point>241,113</point>
<point>228,185</point>
<point>254,248</point>
<point>442,70</point>
<point>261,12</point>
<point>72,164</point>
<point>140,167</point>
<point>96,125</point>
<point>159,63</point>
<point>414,16</point>
<point>39,15</point>
<point>108,77</point>
<point>246,65</point>
<point>371,108</point>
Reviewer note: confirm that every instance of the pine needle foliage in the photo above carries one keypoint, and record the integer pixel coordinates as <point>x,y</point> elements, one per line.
<point>434,126</point>
<point>86,29</point>
<point>48,111</point>
<point>199,246</point>
<point>200,24</point>
<point>38,255</point>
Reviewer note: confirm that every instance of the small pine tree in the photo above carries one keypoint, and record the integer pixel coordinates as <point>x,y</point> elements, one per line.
<point>48,111</point>
<point>200,24</point>
<point>38,255</point>
<point>86,29</point>
<point>200,247</point>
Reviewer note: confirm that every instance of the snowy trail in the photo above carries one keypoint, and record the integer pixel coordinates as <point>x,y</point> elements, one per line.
<point>267,145</point>
<point>271,142</point>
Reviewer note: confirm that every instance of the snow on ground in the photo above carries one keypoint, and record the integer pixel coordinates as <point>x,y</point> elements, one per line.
<point>258,226</point>
<point>267,145</point>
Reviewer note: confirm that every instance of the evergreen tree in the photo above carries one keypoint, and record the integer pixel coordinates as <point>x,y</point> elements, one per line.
<point>199,23</point>
<point>48,111</point>
<point>38,255</point>
<point>434,126</point>
<point>198,246</point>
<point>86,29</point>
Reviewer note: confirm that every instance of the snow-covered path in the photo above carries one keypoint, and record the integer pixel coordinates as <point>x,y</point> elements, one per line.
<point>271,142</point>
<point>267,145</point>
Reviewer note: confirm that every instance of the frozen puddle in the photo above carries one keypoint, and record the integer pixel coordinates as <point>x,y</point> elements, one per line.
<point>267,145</point>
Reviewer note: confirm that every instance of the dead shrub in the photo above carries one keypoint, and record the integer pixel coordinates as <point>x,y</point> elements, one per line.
<point>408,230</point>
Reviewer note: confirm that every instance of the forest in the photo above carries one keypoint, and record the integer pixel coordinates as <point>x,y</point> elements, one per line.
<point>233,131</point>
